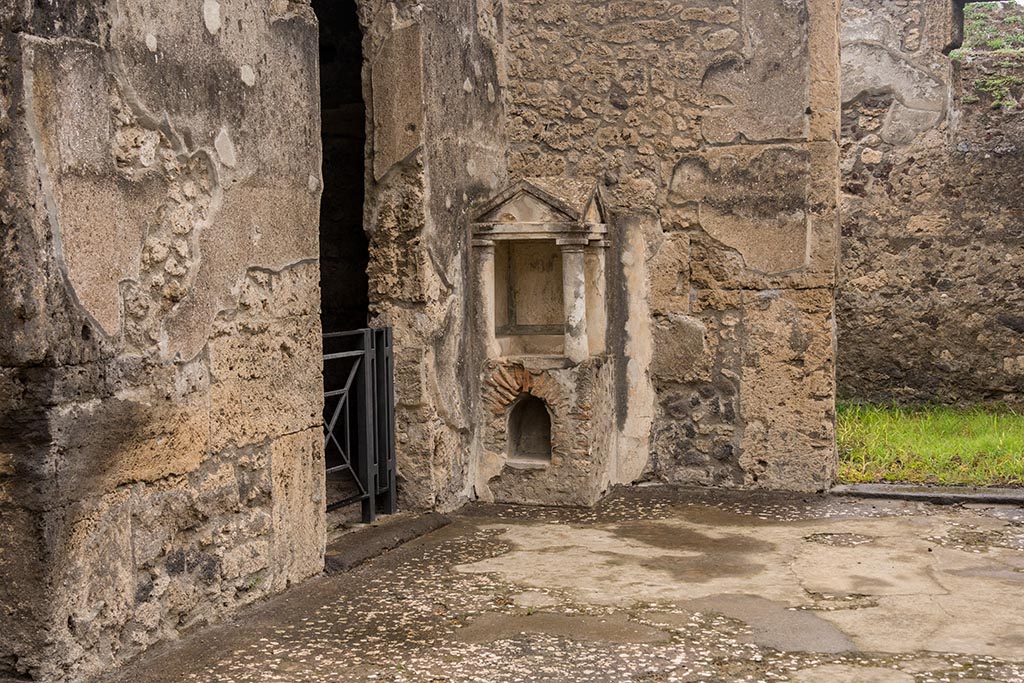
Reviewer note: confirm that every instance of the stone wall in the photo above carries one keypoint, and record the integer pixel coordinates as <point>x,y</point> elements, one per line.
<point>713,127</point>
<point>160,389</point>
<point>436,148</point>
<point>931,298</point>
<point>160,449</point>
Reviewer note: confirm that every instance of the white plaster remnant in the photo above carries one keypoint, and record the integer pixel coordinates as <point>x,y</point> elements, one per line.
<point>151,42</point>
<point>225,148</point>
<point>313,183</point>
<point>211,15</point>
<point>248,75</point>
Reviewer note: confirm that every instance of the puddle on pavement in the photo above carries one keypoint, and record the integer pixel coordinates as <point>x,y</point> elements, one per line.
<point>772,624</point>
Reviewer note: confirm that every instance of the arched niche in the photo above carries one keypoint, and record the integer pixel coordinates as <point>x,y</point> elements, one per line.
<point>529,432</point>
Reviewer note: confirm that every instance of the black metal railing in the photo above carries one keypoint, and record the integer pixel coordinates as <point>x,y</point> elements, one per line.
<point>359,420</point>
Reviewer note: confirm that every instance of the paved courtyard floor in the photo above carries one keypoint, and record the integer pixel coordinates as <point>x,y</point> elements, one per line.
<point>656,584</point>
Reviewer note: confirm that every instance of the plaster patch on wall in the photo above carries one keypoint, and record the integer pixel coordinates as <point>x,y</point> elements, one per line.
<point>96,216</point>
<point>752,199</point>
<point>225,148</point>
<point>248,75</point>
<point>396,76</point>
<point>633,451</point>
<point>211,15</point>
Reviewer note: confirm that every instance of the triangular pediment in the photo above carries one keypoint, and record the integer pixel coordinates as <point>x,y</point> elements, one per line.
<point>524,207</point>
<point>545,200</point>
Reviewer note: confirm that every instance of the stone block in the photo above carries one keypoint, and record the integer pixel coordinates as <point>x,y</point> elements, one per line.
<point>102,444</point>
<point>265,380</point>
<point>753,200</point>
<point>245,559</point>
<point>25,597</point>
<point>768,90</point>
<point>397,79</point>
<point>773,208</point>
<point>669,272</point>
<point>27,466</point>
<point>410,375</point>
<point>787,389</point>
<point>94,576</point>
<point>680,349</point>
<point>297,507</point>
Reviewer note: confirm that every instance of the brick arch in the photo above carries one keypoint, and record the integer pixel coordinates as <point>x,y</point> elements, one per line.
<point>507,384</point>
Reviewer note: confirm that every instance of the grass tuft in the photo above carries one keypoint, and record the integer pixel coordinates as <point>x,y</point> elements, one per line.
<point>935,445</point>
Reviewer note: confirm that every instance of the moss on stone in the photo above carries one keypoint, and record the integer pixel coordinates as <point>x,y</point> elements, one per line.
<point>999,87</point>
<point>992,27</point>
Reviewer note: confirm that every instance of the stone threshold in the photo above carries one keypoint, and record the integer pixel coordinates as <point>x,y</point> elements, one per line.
<point>362,543</point>
<point>940,495</point>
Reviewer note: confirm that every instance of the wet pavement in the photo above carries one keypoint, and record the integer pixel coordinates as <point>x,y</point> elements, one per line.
<point>655,584</point>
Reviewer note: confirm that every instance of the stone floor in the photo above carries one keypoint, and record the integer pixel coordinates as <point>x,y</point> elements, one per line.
<point>655,585</point>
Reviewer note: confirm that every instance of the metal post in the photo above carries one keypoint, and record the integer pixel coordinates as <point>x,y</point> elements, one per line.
<point>367,467</point>
<point>385,418</point>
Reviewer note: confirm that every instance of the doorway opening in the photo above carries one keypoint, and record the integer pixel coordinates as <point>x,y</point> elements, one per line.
<point>344,248</point>
<point>358,412</point>
<point>927,392</point>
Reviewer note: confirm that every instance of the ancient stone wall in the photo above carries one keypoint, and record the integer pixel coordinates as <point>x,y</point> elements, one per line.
<point>160,457</point>
<point>160,389</point>
<point>431,87</point>
<point>713,129</point>
<point>930,303</point>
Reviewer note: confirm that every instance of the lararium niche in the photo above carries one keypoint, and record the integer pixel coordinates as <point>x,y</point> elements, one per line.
<point>540,281</point>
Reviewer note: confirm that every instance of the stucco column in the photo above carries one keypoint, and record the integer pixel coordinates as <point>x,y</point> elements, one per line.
<point>597,312</point>
<point>574,295</point>
<point>483,257</point>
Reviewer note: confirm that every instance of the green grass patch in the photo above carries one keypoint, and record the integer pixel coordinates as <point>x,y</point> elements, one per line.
<point>934,445</point>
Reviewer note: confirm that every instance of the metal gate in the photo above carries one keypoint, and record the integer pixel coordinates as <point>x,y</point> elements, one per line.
<point>359,420</point>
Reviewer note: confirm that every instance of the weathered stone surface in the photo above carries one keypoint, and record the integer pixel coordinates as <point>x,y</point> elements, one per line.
<point>298,502</point>
<point>97,217</point>
<point>669,272</point>
<point>932,229</point>
<point>160,290</point>
<point>397,86</point>
<point>719,122</point>
<point>578,402</point>
<point>787,391</point>
<point>752,200</point>
<point>103,444</point>
<point>679,348</point>
<point>161,383</point>
<point>416,219</point>
<point>760,88</point>
<point>264,363</point>
<point>24,602</point>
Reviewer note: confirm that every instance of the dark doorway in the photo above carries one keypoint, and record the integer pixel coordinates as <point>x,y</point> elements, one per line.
<point>344,251</point>
<point>356,371</point>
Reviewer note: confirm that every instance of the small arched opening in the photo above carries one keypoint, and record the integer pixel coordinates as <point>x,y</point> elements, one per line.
<point>529,432</point>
